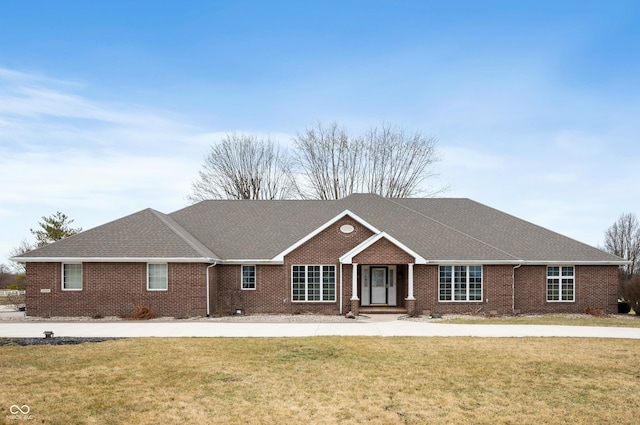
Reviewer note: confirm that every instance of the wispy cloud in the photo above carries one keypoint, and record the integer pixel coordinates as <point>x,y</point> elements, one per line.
<point>62,149</point>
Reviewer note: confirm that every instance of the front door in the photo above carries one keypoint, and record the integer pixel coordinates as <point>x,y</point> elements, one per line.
<point>379,285</point>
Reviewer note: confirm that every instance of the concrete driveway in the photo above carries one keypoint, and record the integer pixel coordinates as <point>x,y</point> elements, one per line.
<point>378,326</point>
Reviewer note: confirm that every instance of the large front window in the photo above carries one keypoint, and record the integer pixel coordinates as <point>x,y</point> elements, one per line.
<point>460,283</point>
<point>313,283</point>
<point>560,284</point>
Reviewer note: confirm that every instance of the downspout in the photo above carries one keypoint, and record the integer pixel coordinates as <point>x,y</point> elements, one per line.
<point>513,288</point>
<point>341,288</point>
<point>208,283</point>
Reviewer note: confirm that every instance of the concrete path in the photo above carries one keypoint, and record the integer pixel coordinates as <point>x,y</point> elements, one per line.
<point>372,327</point>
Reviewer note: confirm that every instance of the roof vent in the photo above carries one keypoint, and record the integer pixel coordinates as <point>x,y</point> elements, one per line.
<point>347,228</point>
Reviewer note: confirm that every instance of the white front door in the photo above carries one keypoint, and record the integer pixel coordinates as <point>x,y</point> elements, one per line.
<point>378,285</point>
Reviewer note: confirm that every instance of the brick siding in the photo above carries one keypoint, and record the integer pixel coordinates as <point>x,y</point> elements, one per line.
<point>596,287</point>
<point>114,289</point>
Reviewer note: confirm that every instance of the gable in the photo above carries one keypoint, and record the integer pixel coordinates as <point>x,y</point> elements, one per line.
<point>383,251</point>
<point>329,244</point>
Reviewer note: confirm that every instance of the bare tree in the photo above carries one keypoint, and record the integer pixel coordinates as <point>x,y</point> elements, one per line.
<point>242,166</point>
<point>387,160</point>
<point>399,162</point>
<point>329,160</point>
<point>24,246</point>
<point>6,276</point>
<point>623,239</point>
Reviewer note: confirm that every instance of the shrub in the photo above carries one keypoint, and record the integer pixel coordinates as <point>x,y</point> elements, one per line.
<point>141,312</point>
<point>630,291</point>
<point>598,312</point>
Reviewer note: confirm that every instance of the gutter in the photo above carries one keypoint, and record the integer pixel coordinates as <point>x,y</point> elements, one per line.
<point>113,259</point>
<point>341,288</point>
<point>208,284</point>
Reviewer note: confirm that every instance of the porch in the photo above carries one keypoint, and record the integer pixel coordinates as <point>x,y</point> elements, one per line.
<point>382,289</point>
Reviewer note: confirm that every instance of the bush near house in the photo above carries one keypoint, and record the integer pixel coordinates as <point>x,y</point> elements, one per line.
<point>630,291</point>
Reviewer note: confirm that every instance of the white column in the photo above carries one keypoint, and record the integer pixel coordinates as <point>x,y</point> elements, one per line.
<point>410,282</point>
<point>354,282</point>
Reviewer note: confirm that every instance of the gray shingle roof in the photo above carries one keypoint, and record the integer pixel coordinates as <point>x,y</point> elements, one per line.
<point>143,235</point>
<point>438,229</point>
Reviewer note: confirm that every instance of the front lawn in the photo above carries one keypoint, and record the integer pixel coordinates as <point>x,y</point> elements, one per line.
<point>614,320</point>
<point>325,380</point>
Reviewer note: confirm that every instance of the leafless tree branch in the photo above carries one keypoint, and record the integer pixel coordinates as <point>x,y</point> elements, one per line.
<point>243,167</point>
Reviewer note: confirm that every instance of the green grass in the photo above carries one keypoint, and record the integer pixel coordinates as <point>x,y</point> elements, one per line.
<point>625,321</point>
<point>326,380</point>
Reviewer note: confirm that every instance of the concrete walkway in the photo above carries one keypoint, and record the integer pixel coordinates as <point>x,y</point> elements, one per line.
<point>378,326</point>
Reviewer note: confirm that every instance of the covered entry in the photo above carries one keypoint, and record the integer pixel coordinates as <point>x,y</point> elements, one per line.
<point>380,258</point>
<point>378,285</point>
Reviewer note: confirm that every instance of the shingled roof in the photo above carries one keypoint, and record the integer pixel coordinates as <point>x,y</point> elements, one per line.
<point>145,235</point>
<point>438,229</point>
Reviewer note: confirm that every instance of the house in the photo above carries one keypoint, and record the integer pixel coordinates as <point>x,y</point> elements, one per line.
<point>361,253</point>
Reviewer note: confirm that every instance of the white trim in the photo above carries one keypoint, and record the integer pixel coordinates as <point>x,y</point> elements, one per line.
<point>166,270</point>
<point>251,262</point>
<point>525,263</point>
<point>348,257</point>
<point>255,277</point>
<point>81,279</point>
<point>113,260</point>
<point>280,257</point>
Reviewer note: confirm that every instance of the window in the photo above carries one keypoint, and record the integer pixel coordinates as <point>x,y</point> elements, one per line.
<point>313,283</point>
<point>156,277</point>
<point>72,277</point>
<point>561,284</point>
<point>460,283</point>
<point>248,277</point>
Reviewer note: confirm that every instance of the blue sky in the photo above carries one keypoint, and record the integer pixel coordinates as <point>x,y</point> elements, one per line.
<point>107,108</point>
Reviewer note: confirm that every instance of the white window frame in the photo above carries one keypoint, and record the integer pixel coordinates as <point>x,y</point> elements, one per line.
<point>166,276</point>
<point>467,284</point>
<point>560,277</point>
<point>242,276</point>
<point>321,283</point>
<point>64,288</point>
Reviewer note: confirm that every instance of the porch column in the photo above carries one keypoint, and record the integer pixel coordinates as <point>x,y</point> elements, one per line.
<point>410,282</point>
<point>354,283</point>
<point>355,302</point>
<point>410,301</point>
